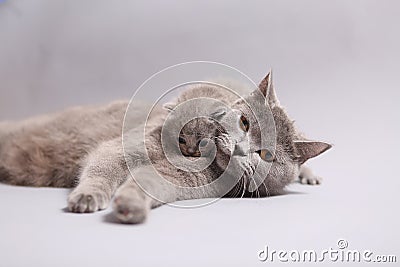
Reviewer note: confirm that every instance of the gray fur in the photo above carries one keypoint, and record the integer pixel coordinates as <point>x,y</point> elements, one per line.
<point>284,170</point>
<point>49,150</point>
<point>291,151</point>
<point>82,148</point>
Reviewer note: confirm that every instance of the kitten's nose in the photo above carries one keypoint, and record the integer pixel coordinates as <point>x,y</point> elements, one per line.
<point>190,151</point>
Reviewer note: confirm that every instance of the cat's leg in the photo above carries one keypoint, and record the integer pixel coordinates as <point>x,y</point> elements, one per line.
<point>104,170</point>
<point>131,204</point>
<point>134,199</point>
<point>307,176</point>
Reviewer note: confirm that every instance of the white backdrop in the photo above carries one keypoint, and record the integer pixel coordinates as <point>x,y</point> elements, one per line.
<point>335,67</point>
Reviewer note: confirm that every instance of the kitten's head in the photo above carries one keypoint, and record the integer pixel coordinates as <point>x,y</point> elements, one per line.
<point>191,126</point>
<point>195,136</point>
<point>269,149</point>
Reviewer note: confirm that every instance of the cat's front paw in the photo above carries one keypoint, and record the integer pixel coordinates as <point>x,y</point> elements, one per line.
<point>130,210</point>
<point>312,180</point>
<point>87,200</point>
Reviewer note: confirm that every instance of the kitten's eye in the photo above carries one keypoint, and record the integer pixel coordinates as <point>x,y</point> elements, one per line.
<point>203,142</point>
<point>181,140</point>
<point>266,155</point>
<point>244,123</point>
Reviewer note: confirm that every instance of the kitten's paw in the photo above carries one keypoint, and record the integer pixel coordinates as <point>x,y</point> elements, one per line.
<point>313,180</point>
<point>225,144</point>
<point>81,201</point>
<point>130,210</point>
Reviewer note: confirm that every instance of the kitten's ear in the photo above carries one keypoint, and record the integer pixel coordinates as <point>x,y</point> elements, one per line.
<point>309,149</point>
<point>267,89</point>
<point>169,106</point>
<point>218,114</point>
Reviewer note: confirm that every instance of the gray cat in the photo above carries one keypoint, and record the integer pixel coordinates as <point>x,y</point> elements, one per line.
<point>265,169</point>
<point>82,147</point>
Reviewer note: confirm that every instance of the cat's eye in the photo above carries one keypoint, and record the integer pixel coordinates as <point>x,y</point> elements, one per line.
<point>266,155</point>
<point>244,123</point>
<point>181,140</point>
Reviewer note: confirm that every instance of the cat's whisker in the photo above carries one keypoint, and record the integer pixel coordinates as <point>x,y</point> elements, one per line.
<point>257,190</point>
<point>257,193</point>
<point>238,185</point>
<point>252,191</point>
<point>255,185</point>
<point>244,187</point>
<point>236,190</point>
<point>266,189</point>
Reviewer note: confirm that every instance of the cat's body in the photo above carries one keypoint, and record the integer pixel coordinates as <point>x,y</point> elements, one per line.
<point>292,150</point>
<point>50,150</point>
<point>83,147</point>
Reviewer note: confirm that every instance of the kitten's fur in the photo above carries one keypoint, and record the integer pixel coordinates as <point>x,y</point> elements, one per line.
<point>83,146</point>
<point>198,129</point>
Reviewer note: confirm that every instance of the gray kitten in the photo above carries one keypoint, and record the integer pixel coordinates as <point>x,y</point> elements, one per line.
<point>195,133</point>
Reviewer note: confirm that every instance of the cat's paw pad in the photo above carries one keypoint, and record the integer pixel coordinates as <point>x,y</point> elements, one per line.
<point>128,210</point>
<point>87,201</point>
<point>314,180</point>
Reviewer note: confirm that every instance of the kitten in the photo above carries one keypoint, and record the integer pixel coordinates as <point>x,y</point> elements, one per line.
<point>192,139</point>
<point>196,133</point>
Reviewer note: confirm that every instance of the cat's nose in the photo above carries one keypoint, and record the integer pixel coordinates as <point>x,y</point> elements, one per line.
<point>241,149</point>
<point>190,151</point>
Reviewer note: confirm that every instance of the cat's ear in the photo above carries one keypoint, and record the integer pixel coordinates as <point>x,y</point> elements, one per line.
<point>309,149</point>
<point>169,106</point>
<point>267,89</point>
<point>218,114</point>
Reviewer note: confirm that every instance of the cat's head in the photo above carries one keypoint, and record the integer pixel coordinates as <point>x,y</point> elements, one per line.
<point>267,145</point>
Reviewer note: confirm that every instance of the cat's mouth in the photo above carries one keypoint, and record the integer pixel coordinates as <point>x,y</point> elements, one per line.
<point>248,185</point>
<point>250,180</point>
